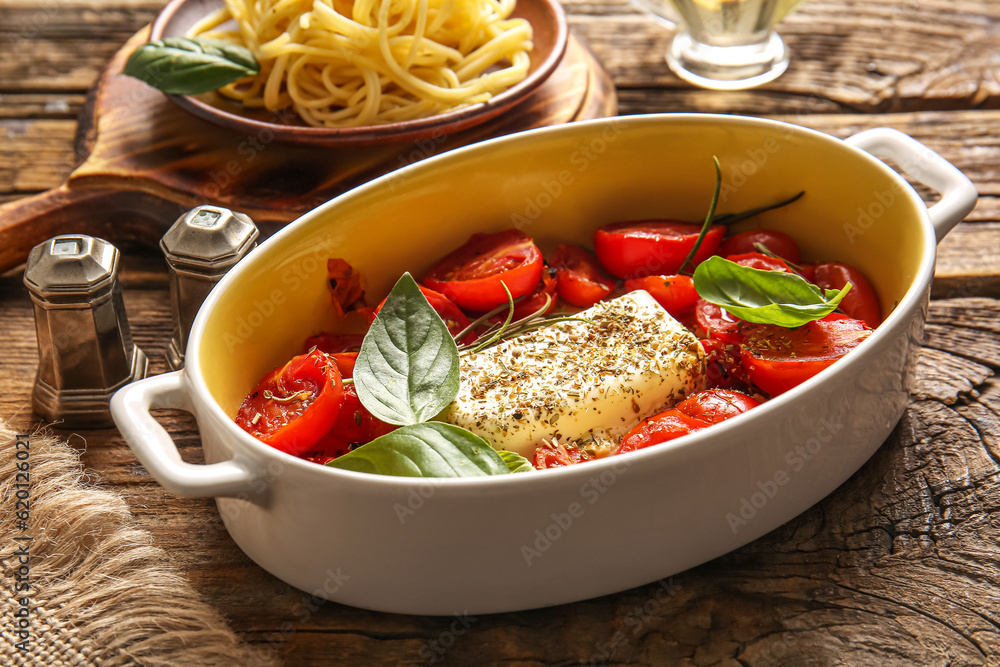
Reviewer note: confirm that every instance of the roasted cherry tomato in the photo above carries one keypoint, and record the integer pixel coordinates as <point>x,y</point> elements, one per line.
<point>723,367</point>
<point>446,308</point>
<point>556,457</point>
<point>777,359</point>
<point>676,294</point>
<point>474,275</point>
<point>342,347</point>
<point>716,405</point>
<point>354,427</point>
<point>718,323</point>
<point>861,302</point>
<point>580,279</point>
<point>534,302</point>
<point>757,260</point>
<point>294,405</point>
<point>661,427</point>
<point>779,243</point>
<point>639,248</point>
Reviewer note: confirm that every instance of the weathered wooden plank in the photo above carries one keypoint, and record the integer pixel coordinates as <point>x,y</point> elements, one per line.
<point>35,154</point>
<point>29,106</point>
<point>866,56</point>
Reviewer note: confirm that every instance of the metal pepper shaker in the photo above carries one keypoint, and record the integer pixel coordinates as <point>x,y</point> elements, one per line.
<point>200,247</point>
<point>85,348</point>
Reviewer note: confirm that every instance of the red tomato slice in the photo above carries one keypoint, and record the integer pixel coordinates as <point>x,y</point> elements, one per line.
<point>473,275</point>
<point>716,405</point>
<point>534,302</point>
<point>779,243</point>
<point>778,359</point>
<point>723,368</point>
<point>861,302</point>
<point>676,294</point>
<point>638,248</point>
<point>718,323</point>
<point>452,315</point>
<point>757,260</point>
<point>661,427</point>
<point>342,347</point>
<point>354,427</point>
<point>294,405</point>
<point>556,457</point>
<point>580,279</point>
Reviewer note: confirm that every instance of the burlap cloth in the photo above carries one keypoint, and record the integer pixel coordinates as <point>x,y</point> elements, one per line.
<point>99,592</point>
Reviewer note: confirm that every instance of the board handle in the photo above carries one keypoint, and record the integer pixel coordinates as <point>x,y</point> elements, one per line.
<point>113,215</point>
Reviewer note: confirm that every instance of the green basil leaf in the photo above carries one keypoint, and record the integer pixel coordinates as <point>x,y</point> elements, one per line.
<point>764,297</point>
<point>183,66</point>
<point>515,462</point>
<point>407,368</point>
<point>434,449</point>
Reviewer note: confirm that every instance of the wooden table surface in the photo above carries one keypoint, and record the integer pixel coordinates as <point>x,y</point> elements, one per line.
<point>899,566</point>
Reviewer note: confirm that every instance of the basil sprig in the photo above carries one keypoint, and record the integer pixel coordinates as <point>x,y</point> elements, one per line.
<point>406,373</point>
<point>183,66</point>
<point>764,297</point>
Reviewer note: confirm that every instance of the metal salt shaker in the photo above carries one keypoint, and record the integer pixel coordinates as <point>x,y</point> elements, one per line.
<point>200,247</point>
<point>85,348</point>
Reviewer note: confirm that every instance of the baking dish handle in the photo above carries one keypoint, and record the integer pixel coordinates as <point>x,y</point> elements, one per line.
<point>958,194</point>
<point>156,450</point>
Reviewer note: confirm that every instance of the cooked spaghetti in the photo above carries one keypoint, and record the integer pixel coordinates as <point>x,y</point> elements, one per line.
<point>364,62</point>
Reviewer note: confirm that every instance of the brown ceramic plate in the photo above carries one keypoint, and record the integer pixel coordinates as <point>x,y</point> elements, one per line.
<point>548,21</point>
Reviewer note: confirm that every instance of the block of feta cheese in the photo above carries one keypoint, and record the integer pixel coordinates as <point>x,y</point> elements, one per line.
<point>579,380</point>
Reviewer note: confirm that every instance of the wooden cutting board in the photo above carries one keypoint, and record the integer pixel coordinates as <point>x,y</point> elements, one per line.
<point>144,161</point>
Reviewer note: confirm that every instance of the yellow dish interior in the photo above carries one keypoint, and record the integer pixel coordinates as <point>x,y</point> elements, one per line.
<point>558,185</point>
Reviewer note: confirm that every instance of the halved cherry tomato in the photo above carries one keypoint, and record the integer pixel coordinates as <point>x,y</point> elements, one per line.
<point>534,302</point>
<point>778,359</point>
<point>757,260</point>
<point>661,427</point>
<point>676,294</point>
<point>473,275</point>
<point>861,302</point>
<point>452,315</point>
<point>718,323</point>
<point>355,426</point>
<point>723,368</point>
<point>716,405</point>
<point>779,243</point>
<point>342,347</point>
<point>294,405</point>
<point>579,277</point>
<point>638,248</point>
<point>556,457</point>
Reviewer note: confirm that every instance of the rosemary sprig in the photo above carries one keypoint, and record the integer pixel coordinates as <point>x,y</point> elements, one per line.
<point>731,218</point>
<point>708,218</point>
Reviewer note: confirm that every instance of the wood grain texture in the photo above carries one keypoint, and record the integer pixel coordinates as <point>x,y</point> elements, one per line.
<point>141,147</point>
<point>899,566</point>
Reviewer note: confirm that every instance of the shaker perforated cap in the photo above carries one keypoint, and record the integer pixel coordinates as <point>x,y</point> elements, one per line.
<point>209,238</point>
<point>70,265</point>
